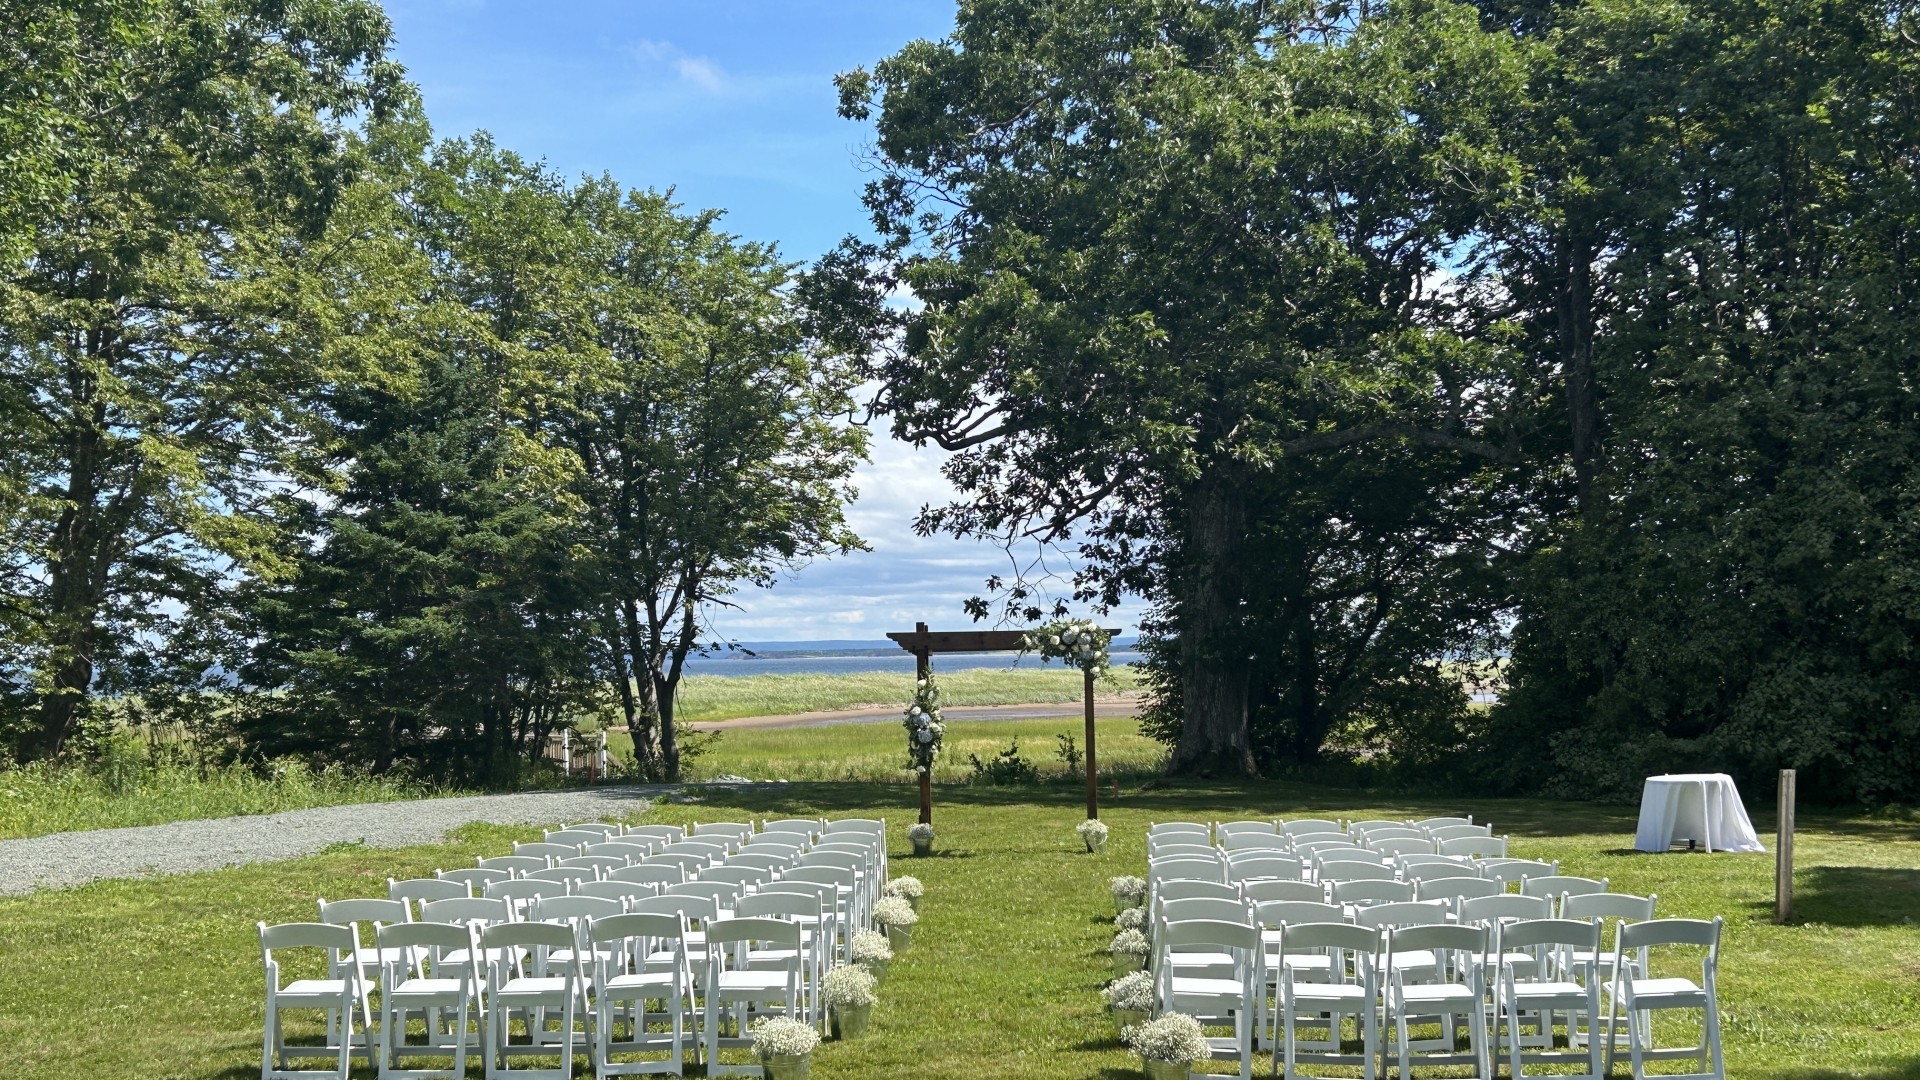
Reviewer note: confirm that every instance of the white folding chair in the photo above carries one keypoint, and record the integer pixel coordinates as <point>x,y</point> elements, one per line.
<point>623,981</point>
<point>546,988</point>
<point>617,890</point>
<point>1419,868</point>
<point>1232,996</point>
<point>336,997</point>
<point>1202,833</point>
<point>517,865</point>
<point>572,875</point>
<point>1636,991</point>
<point>1536,991</point>
<point>805,911</point>
<point>1475,847</point>
<point>1437,971</point>
<point>604,828</point>
<point>475,879</point>
<point>1280,868</point>
<point>1300,827</point>
<point>808,826</point>
<point>650,873</point>
<point>1260,890</point>
<point>1352,989</point>
<point>736,991</point>
<point>1443,822</point>
<point>1195,961</point>
<point>446,999</point>
<point>545,850</point>
<point>574,837</point>
<point>1363,892</point>
<point>364,918</point>
<point>1246,827</point>
<point>1557,887</point>
<point>1512,871</point>
<point>1456,831</point>
<point>664,834</point>
<point>415,891</point>
<point>1455,889</point>
<point>1394,847</point>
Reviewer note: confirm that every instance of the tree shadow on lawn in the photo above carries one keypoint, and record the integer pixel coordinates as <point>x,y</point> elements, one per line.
<point>1854,896</point>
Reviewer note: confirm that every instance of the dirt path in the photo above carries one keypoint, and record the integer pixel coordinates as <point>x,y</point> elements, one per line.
<point>1103,705</point>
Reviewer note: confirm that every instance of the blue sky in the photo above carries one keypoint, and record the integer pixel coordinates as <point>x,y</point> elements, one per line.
<point>732,106</point>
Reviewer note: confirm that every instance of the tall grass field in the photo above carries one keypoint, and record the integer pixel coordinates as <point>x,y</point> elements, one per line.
<point>706,698</point>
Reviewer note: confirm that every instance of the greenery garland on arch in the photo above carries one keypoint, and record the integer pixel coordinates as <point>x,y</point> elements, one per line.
<point>926,731</point>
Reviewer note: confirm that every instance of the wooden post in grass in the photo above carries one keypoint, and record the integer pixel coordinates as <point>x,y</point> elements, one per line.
<point>1093,783</point>
<point>1783,851</point>
<point>923,667</point>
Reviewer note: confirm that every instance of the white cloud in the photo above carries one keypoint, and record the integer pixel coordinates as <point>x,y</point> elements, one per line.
<point>699,71</point>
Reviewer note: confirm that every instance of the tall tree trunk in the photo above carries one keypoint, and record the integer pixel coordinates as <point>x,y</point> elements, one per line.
<point>76,590</point>
<point>1214,670</point>
<point>1574,259</point>
<point>1309,719</point>
<point>683,642</point>
<point>643,715</point>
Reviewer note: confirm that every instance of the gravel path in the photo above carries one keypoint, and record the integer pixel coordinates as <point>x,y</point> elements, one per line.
<point>63,860</point>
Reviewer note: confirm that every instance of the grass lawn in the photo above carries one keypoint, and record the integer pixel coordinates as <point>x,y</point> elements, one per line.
<point>705,698</point>
<point>162,978</point>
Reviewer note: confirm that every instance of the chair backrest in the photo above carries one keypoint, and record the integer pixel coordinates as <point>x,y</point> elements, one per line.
<point>701,909</point>
<point>1372,892</point>
<point>1476,847</point>
<point>1440,833</point>
<point>617,890</point>
<point>827,857</point>
<point>1502,907</point>
<point>573,909</point>
<point>1180,850</point>
<point>1213,933</point>
<point>1208,908</point>
<point>1456,888</point>
<point>619,849</point>
<point>753,929</point>
<point>334,938</point>
<point>662,833</point>
<point>1443,822</point>
<point>824,893</point>
<point>472,876</point>
<point>1308,826</point>
<point>1179,828</point>
<point>511,937</point>
<point>1282,868</point>
<point>1545,934</point>
<point>1458,948</point>
<point>576,837</point>
<point>723,893</point>
<point>1699,933</point>
<point>1512,870</point>
<point>1408,845</point>
<point>1263,889</point>
<point>1427,871</point>
<point>424,935</point>
<point>1555,886</point>
<point>1408,913</point>
<point>552,851</point>
<point>517,865</point>
<point>714,848</point>
<point>374,913</point>
<point>1344,937</point>
<point>865,825</point>
<point>782,841</point>
<point>738,829</point>
<point>1623,907</point>
<point>1188,888</point>
<point>467,909</point>
<point>569,874</point>
<point>1370,824</point>
<point>780,905</point>
<point>650,873</point>
<point>605,864</point>
<point>1186,867</point>
<point>647,926</point>
<point>1348,870</point>
<point>1303,841</point>
<point>416,889</point>
<point>1254,841</point>
<point>1282,912</point>
<point>687,861</point>
<point>830,875</point>
<point>807,826</point>
<point>738,875</point>
<point>604,828</point>
<point>752,857</point>
<point>1248,827</point>
<point>521,890</point>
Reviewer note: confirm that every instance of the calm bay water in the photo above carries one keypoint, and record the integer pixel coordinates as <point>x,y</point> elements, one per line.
<point>900,663</point>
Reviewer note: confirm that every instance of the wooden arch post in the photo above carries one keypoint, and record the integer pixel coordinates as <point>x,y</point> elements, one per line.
<point>923,643</point>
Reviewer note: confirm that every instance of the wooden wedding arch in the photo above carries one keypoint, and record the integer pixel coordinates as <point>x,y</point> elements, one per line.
<point>924,643</point>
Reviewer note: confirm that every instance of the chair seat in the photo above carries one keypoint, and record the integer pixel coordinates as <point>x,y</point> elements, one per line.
<point>1188,988</point>
<point>1414,960</point>
<point>1666,993</point>
<point>1547,995</point>
<point>312,993</point>
<point>534,991</point>
<point>629,987</point>
<point>1342,995</point>
<point>1437,994</point>
<point>422,991</point>
<point>737,983</point>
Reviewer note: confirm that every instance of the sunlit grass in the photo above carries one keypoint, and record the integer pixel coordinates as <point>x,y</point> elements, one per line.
<point>1002,977</point>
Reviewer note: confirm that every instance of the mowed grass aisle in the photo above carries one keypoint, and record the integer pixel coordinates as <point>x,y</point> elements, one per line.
<point>162,978</point>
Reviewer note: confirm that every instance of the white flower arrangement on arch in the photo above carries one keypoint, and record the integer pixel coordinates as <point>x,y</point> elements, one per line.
<point>1175,1037</point>
<point>1080,642</point>
<point>783,1036</point>
<point>926,731</point>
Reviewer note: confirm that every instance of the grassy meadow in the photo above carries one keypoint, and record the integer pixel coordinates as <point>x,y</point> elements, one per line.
<point>162,978</point>
<point>706,698</point>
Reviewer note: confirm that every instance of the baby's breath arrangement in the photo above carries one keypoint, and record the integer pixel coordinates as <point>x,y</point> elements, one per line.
<point>1092,833</point>
<point>1080,642</point>
<point>783,1036</point>
<point>906,885</point>
<point>925,730</point>
<point>849,986</point>
<point>895,911</point>
<point>920,831</point>
<point>870,947</point>
<point>1175,1037</point>
<point>1131,943</point>
<point>1127,889</point>
<point>1133,918</point>
<point>1130,993</point>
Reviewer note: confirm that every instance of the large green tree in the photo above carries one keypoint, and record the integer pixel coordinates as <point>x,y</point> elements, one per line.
<point>1160,248</point>
<point>153,363</point>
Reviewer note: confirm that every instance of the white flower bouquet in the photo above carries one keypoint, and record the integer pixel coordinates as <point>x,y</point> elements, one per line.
<point>1127,890</point>
<point>1092,833</point>
<point>920,834</point>
<point>1130,993</point>
<point>1130,943</point>
<point>906,884</point>
<point>894,911</point>
<point>870,947</point>
<point>1080,642</point>
<point>1133,918</point>
<point>783,1036</point>
<point>1175,1038</point>
<point>849,986</point>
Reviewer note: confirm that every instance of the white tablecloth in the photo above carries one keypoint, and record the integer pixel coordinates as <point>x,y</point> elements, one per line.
<point>1702,807</point>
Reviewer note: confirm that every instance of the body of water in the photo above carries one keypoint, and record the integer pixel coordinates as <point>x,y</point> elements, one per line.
<point>898,662</point>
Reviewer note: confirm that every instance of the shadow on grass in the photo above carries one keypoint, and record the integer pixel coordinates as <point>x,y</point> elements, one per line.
<point>1855,896</point>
